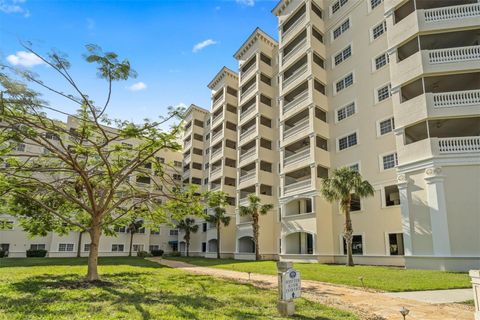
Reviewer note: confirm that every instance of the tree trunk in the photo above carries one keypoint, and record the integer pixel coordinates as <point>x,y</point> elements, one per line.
<point>255,235</point>
<point>218,240</point>
<point>131,245</point>
<point>348,235</point>
<point>92,273</point>
<point>79,244</point>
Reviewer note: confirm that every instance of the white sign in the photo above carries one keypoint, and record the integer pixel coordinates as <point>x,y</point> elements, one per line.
<point>291,284</point>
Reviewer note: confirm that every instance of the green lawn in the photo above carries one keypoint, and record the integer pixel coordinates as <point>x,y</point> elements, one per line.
<point>39,288</point>
<point>380,278</point>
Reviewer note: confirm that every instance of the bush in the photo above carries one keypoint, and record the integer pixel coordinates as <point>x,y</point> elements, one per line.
<point>157,253</point>
<point>144,254</point>
<point>36,253</point>
<point>3,254</point>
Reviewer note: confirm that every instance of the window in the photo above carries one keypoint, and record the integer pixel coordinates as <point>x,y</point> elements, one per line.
<point>347,141</point>
<point>117,247</point>
<point>383,93</point>
<point>346,111</point>
<point>174,232</point>
<point>392,196</point>
<point>63,247</point>
<point>204,247</point>
<point>137,247</point>
<point>344,83</point>
<point>386,126</point>
<point>153,247</point>
<point>389,161</point>
<point>337,32</point>
<point>381,61</point>
<point>355,203</point>
<point>6,225</point>
<point>395,244</point>
<point>379,29</point>
<point>337,5</point>
<point>375,3</point>
<point>357,245</point>
<point>343,55</point>
<point>37,246</point>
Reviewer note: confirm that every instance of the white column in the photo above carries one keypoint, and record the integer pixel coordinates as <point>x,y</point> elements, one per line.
<point>438,211</point>
<point>402,184</point>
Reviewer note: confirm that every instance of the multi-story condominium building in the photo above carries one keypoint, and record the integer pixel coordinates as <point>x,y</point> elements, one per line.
<point>389,88</point>
<point>16,242</point>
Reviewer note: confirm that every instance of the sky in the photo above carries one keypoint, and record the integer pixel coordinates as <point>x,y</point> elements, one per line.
<point>176,47</point>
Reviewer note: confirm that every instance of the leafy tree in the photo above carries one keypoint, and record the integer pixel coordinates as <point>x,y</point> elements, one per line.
<point>340,187</point>
<point>254,210</point>
<point>188,226</point>
<point>218,201</point>
<point>87,177</point>
<point>133,227</point>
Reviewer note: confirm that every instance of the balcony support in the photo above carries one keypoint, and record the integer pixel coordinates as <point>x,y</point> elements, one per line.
<point>438,211</point>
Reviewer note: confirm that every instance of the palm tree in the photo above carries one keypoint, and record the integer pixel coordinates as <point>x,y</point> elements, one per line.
<point>133,227</point>
<point>254,210</point>
<point>218,200</point>
<point>188,226</point>
<point>340,187</point>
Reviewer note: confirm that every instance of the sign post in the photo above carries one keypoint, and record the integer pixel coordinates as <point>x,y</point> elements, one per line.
<point>288,288</point>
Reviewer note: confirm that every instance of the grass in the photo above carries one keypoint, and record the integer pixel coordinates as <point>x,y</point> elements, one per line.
<point>374,277</point>
<point>52,288</point>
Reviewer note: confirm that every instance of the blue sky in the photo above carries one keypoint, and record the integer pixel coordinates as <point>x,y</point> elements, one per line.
<point>158,37</point>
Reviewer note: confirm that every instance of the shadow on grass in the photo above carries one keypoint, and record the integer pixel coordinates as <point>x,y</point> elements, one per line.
<point>103,261</point>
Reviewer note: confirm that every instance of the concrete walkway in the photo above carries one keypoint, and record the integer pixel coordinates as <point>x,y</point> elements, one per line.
<point>367,304</point>
<point>435,296</point>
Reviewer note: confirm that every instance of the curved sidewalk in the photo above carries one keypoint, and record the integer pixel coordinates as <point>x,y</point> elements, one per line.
<point>366,304</point>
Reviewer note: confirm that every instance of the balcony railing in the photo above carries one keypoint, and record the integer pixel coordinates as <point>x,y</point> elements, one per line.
<point>301,97</point>
<point>454,54</point>
<point>297,73</point>
<point>456,99</point>
<point>246,92</point>
<point>247,154</point>
<point>247,112</point>
<point>296,23</point>
<point>295,49</point>
<point>459,145</point>
<point>298,156</point>
<point>299,126</point>
<point>248,176</point>
<point>246,72</point>
<point>452,12</point>
<point>297,186</point>
<point>247,132</point>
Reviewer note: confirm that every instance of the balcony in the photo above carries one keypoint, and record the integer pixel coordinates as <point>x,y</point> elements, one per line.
<point>297,157</point>
<point>297,128</point>
<point>295,102</point>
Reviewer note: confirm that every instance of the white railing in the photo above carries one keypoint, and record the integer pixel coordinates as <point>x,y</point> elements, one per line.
<point>459,144</point>
<point>216,135</point>
<point>246,72</point>
<point>250,89</point>
<point>295,49</point>
<point>246,133</point>
<point>247,154</point>
<point>247,112</point>
<point>454,54</point>
<point>301,97</point>
<point>295,75</point>
<point>297,186</point>
<point>456,98</point>
<point>296,23</point>
<point>299,126</point>
<point>296,157</point>
<point>216,153</point>
<point>248,176</point>
<point>452,12</point>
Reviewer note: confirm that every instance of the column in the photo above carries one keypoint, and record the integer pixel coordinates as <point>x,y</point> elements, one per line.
<point>438,211</point>
<point>402,184</point>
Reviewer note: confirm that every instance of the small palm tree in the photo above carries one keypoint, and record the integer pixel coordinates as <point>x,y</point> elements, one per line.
<point>133,227</point>
<point>218,201</point>
<point>188,226</point>
<point>340,187</point>
<point>254,210</point>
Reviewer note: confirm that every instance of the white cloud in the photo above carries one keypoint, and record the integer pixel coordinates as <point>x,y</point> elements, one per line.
<point>24,59</point>
<point>248,3</point>
<point>201,45</point>
<point>14,6</point>
<point>90,24</point>
<point>139,86</point>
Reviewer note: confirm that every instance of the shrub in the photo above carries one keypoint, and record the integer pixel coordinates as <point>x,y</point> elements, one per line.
<point>3,254</point>
<point>157,253</point>
<point>36,253</point>
<point>144,254</point>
